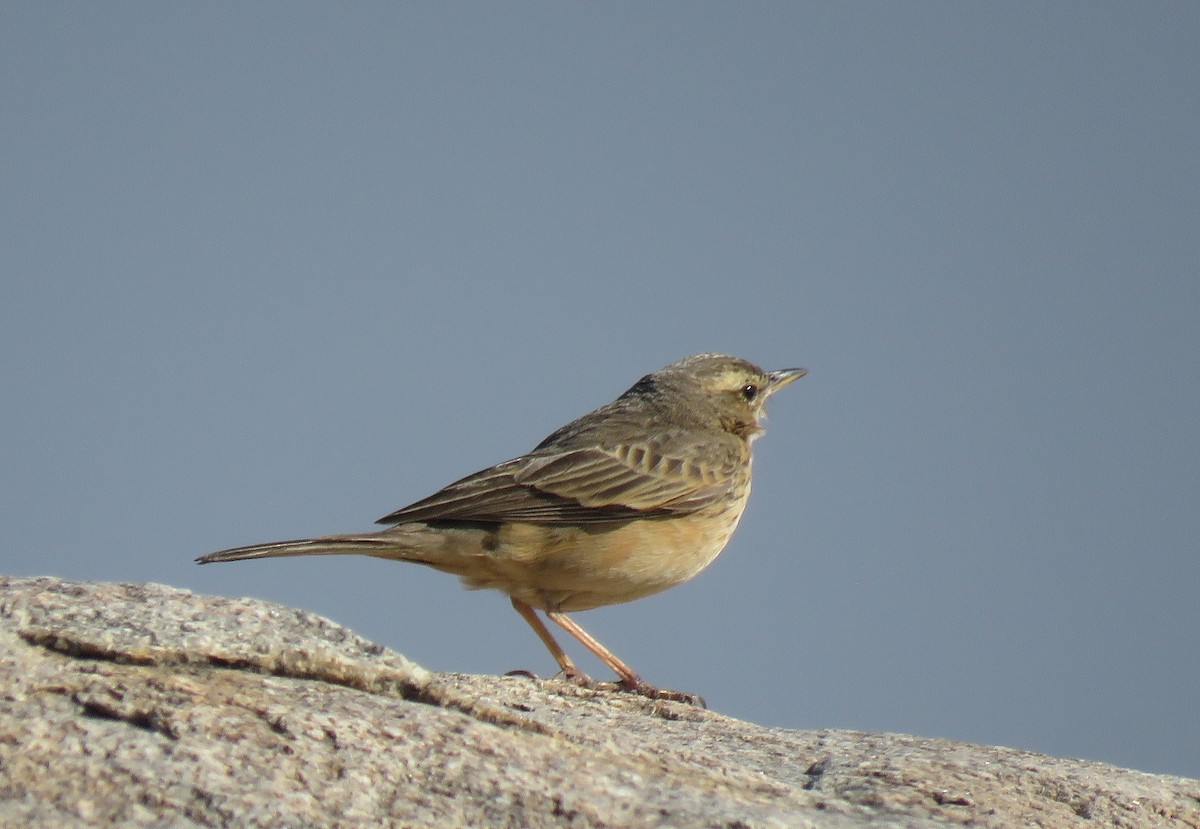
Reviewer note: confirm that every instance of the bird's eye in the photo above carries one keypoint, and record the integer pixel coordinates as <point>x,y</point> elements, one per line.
<point>749,392</point>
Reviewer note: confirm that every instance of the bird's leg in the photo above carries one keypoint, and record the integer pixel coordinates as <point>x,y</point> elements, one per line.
<point>630,680</point>
<point>560,656</point>
<point>629,676</point>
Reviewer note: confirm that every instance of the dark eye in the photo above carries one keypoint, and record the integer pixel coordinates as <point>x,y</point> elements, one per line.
<point>749,392</point>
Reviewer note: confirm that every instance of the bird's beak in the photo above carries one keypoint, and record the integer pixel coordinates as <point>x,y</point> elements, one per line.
<point>781,378</point>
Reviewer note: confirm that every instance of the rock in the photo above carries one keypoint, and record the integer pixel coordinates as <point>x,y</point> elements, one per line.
<point>144,705</point>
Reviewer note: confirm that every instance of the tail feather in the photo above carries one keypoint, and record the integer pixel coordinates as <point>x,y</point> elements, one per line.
<point>332,545</point>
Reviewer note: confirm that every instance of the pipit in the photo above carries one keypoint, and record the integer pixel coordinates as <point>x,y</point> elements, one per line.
<point>628,500</point>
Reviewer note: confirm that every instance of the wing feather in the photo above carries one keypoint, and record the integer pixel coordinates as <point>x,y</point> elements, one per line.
<point>640,476</point>
<point>585,485</point>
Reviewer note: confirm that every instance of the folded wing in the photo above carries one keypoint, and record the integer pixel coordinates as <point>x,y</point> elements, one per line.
<point>583,485</point>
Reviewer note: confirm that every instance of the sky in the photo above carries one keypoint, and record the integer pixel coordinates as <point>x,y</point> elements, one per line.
<point>275,270</point>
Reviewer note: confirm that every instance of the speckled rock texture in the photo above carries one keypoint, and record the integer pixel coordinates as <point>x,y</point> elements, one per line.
<point>144,705</point>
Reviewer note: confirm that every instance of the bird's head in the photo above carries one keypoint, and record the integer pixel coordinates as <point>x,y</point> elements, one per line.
<point>731,390</point>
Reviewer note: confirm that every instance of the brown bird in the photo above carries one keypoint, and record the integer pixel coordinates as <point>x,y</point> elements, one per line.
<point>630,499</point>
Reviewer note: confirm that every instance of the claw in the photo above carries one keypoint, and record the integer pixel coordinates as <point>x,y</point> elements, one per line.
<point>521,672</point>
<point>644,689</point>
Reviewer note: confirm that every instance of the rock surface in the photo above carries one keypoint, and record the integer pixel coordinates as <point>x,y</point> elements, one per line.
<point>144,705</point>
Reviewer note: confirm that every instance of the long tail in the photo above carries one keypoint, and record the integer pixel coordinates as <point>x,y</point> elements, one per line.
<point>331,545</point>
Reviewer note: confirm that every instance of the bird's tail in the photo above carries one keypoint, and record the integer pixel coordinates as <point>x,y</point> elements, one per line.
<point>329,545</point>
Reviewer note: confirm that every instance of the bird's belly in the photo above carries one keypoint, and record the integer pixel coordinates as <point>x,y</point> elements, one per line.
<point>580,567</point>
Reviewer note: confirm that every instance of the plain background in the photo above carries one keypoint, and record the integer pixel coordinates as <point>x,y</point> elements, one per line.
<point>274,270</point>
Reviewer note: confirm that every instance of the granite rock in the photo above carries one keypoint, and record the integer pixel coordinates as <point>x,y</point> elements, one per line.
<point>146,705</point>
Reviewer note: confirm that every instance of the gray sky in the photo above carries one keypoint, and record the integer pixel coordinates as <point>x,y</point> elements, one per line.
<point>276,270</point>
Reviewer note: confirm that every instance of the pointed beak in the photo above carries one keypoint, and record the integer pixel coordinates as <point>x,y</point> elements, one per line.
<point>781,378</point>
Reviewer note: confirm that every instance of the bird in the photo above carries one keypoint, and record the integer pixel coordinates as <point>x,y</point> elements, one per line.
<point>628,500</point>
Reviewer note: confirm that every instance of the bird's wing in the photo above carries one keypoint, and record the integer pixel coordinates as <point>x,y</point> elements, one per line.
<point>639,476</point>
<point>582,485</point>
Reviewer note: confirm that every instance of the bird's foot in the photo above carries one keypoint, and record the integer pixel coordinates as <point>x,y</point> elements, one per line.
<point>635,685</point>
<point>632,685</point>
<point>644,689</point>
